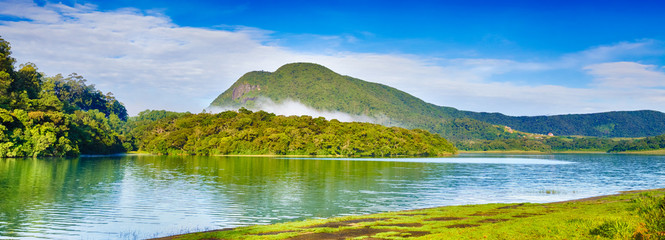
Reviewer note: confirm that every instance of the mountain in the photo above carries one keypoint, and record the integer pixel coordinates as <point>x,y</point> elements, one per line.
<point>320,88</point>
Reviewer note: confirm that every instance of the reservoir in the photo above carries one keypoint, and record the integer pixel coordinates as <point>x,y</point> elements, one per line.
<point>143,196</point>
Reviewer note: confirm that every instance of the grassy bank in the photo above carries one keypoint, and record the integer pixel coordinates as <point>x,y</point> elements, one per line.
<point>630,215</point>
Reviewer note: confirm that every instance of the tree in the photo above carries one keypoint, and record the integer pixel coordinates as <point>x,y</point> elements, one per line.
<point>6,61</point>
<point>6,73</point>
<point>28,80</point>
<point>5,84</point>
<point>77,95</point>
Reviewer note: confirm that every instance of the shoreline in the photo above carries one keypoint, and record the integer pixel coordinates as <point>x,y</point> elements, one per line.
<point>416,218</point>
<point>647,152</point>
<point>523,152</point>
<point>533,152</point>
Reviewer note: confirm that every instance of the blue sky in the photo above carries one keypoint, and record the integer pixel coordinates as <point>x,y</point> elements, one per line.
<point>514,57</point>
<point>517,28</point>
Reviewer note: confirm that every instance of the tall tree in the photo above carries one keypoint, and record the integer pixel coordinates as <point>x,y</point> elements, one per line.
<point>75,94</point>
<point>6,61</point>
<point>28,79</point>
<point>6,72</point>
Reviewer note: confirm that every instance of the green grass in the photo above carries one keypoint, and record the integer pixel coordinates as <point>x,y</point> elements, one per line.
<point>624,216</point>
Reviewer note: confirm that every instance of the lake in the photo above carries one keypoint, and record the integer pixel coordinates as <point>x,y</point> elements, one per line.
<point>141,196</point>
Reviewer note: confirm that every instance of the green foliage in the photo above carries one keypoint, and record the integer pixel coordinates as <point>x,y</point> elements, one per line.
<point>467,129</point>
<point>54,116</point>
<point>27,80</point>
<point>542,144</point>
<point>93,133</point>
<point>139,124</point>
<point>246,132</point>
<point>76,95</point>
<point>6,61</point>
<point>5,83</point>
<point>35,134</point>
<point>520,144</point>
<point>6,73</point>
<point>652,210</point>
<point>611,229</point>
<point>154,115</point>
<point>645,144</point>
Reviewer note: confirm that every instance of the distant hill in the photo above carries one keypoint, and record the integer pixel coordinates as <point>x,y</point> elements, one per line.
<point>320,88</point>
<point>607,124</point>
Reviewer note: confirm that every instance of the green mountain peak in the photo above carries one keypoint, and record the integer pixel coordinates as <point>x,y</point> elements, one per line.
<point>322,89</point>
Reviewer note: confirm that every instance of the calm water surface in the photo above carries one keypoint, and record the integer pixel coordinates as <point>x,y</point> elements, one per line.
<point>132,197</point>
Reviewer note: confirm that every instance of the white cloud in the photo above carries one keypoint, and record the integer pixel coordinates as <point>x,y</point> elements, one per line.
<point>147,61</point>
<point>626,75</point>
<point>613,52</point>
<point>291,107</point>
<point>28,10</point>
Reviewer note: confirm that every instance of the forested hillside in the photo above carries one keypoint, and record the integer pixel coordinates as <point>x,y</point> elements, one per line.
<point>54,116</point>
<point>323,89</point>
<point>254,133</point>
<point>607,124</point>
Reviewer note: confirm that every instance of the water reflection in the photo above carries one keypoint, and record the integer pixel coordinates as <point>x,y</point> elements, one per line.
<point>146,196</point>
<point>42,192</point>
<point>478,160</point>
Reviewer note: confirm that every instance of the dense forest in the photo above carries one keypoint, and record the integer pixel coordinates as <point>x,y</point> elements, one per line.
<point>260,133</point>
<point>541,144</point>
<point>54,116</point>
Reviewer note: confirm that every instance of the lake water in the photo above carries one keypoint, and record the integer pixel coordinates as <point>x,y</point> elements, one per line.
<point>135,197</point>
